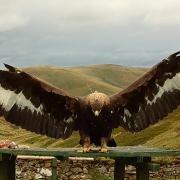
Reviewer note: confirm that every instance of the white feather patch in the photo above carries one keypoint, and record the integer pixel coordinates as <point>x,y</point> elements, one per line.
<point>65,129</point>
<point>69,120</point>
<point>124,119</point>
<point>127,112</point>
<point>169,86</point>
<point>9,98</point>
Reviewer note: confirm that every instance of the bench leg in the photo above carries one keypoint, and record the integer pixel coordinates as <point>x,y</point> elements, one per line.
<point>54,169</point>
<point>142,171</point>
<point>7,167</point>
<point>119,169</point>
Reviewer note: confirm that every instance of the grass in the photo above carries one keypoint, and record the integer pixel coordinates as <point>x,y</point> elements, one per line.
<point>104,78</point>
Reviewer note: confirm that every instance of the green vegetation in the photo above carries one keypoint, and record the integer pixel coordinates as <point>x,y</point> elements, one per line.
<point>104,78</point>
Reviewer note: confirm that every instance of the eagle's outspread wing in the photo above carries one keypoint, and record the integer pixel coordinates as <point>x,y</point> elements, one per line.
<point>36,105</point>
<point>150,98</point>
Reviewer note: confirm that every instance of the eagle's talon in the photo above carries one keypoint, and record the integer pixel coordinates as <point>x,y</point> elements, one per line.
<point>80,150</point>
<point>85,150</point>
<point>103,150</point>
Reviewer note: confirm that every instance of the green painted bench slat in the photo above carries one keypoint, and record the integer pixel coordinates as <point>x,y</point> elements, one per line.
<point>127,151</point>
<point>138,156</point>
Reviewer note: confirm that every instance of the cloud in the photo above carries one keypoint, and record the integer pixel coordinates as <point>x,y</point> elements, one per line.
<point>83,12</point>
<point>68,32</point>
<point>11,21</point>
<point>163,13</point>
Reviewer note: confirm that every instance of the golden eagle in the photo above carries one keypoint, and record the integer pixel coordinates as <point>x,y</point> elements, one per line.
<point>37,106</point>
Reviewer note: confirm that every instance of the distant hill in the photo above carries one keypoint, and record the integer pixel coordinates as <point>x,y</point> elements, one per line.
<point>81,81</point>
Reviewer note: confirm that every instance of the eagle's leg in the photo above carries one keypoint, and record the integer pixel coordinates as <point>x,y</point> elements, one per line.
<point>87,144</point>
<point>104,142</point>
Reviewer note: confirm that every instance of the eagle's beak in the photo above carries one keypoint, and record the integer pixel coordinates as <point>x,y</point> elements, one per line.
<point>96,113</point>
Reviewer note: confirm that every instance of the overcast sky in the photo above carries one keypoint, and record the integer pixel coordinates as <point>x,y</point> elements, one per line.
<point>80,32</point>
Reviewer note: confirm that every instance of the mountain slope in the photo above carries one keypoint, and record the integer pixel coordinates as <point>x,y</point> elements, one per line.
<point>81,81</point>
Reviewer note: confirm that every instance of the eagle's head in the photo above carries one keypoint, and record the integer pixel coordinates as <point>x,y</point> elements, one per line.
<point>97,101</point>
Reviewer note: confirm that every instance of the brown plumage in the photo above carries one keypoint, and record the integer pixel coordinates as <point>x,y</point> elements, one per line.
<point>42,108</point>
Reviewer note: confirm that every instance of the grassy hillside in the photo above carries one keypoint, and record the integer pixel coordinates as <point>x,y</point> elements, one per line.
<point>105,78</point>
<point>82,80</point>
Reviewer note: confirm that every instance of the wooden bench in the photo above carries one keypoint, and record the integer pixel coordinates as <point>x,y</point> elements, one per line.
<point>138,156</point>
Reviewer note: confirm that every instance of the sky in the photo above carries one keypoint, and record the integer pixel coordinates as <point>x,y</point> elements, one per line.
<point>83,32</point>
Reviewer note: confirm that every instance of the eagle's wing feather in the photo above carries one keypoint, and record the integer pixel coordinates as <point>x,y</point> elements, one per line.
<point>150,98</point>
<point>36,105</point>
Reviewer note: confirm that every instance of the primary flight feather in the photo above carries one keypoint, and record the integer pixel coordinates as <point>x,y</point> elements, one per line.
<point>37,106</point>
